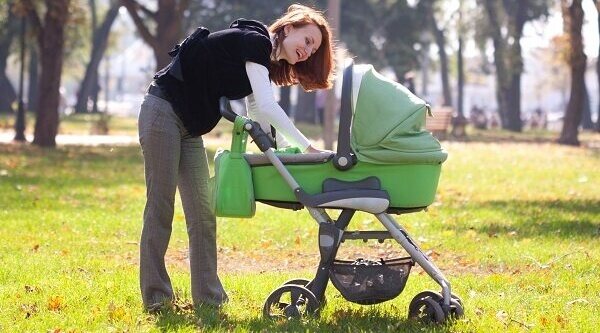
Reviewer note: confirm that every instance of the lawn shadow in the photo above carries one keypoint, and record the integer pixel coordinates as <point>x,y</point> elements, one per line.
<point>538,218</point>
<point>368,319</point>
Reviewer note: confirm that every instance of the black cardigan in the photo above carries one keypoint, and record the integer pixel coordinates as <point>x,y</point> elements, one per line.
<point>213,66</point>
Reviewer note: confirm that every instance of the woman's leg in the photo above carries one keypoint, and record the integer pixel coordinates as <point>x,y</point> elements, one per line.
<point>160,139</point>
<point>201,222</point>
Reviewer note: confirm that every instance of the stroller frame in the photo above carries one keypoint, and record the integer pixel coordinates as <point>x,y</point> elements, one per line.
<point>349,198</point>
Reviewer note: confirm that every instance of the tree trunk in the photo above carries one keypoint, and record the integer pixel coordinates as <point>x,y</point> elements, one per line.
<point>100,41</point>
<point>577,61</point>
<point>305,107</point>
<point>51,39</point>
<point>509,63</point>
<point>440,41</point>
<point>33,82</point>
<point>513,103</point>
<point>7,92</point>
<point>586,118</point>
<point>425,61</point>
<point>284,99</point>
<point>461,78</point>
<point>598,68</point>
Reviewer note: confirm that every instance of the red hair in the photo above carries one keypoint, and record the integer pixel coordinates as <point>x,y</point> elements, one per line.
<point>317,71</point>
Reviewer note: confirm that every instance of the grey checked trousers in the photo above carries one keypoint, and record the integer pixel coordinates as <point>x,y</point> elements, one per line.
<point>172,158</point>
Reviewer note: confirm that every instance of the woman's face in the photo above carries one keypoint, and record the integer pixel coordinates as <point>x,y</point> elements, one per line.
<point>299,43</point>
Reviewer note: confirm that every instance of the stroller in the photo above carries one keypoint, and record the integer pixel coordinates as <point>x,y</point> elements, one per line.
<point>385,164</point>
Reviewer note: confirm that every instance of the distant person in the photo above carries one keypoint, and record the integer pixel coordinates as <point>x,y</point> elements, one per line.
<point>538,119</point>
<point>478,118</point>
<point>320,102</point>
<point>182,104</point>
<point>409,81</point>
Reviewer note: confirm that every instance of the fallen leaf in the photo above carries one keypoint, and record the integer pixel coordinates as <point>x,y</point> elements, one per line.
<point>55,303</point>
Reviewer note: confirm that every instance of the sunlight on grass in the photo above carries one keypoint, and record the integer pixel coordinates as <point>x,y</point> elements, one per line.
<point>515,228</point>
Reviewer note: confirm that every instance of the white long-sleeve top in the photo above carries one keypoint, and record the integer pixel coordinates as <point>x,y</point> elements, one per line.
<point>263,108</point>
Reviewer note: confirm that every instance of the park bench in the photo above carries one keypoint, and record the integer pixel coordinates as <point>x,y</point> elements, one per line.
<point>439,121</point>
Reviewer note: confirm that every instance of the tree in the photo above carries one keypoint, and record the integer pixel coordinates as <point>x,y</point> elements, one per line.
<point>8,30</point>
<point>51,40</point>
<point>505,20</point>
<point>33,81</point>
<point>598,66</point>
<point>428,10</point>
<point>382,33</point>
<point>167,20</point>
<point>100,35</point>
<point>573,20</point>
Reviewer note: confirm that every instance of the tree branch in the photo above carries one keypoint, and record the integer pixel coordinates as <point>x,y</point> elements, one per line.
<point>132,7</point>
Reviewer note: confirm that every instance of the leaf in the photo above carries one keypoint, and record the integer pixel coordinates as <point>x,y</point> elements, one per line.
<point>116,312</point>
<point>56,303</point>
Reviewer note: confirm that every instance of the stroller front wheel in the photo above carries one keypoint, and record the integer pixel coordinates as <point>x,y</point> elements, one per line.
<point>427,310</point>
<point>291,302</point>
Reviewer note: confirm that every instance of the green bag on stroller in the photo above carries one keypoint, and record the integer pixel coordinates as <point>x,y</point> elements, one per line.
<point>232,187</point>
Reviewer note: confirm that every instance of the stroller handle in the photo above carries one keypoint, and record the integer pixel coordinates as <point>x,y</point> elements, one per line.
<point>226,110</point>
<point>261,139</point>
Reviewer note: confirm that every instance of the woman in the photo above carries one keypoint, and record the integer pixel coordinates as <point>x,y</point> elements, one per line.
<point>182,104</point>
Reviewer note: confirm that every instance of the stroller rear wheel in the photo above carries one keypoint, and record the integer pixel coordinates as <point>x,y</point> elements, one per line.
<point>291,301</point>
<point>305,283</point>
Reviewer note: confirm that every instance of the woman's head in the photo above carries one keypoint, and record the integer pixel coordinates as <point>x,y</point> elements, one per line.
<point>303,50</point>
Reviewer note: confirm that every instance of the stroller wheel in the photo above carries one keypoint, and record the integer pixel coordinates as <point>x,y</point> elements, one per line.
<point>305,283</point>
<point>437,296</point>
<point>427,310</point>
<point>456,309</point>
<point>299,282</point>
<point>291,301</point>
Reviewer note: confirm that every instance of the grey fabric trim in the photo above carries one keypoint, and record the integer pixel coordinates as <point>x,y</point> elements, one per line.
<point>309,158</point>
<point>369,183</point>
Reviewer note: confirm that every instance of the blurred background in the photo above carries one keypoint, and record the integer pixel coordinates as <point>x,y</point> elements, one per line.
<point>509,65</point>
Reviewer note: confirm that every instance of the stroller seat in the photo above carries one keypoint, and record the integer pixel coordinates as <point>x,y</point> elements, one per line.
<point>381,134</point>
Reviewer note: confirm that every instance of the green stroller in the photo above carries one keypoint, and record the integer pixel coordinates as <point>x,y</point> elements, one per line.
<point>385,164</point>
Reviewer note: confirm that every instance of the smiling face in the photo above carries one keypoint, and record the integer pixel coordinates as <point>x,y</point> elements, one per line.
<point>299,43</point>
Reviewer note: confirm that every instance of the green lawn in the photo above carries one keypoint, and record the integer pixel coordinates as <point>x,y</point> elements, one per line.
<point>515,228</point>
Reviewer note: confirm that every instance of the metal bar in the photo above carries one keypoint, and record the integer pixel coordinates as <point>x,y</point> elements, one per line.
<point>415,252</point>
<point>367,235</point>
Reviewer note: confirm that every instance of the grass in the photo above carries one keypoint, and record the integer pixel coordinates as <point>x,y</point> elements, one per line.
<point>515,228</point>
<point>81,124</point>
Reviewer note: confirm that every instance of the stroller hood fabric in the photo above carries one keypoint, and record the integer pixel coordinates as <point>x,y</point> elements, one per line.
<point>388,124</point>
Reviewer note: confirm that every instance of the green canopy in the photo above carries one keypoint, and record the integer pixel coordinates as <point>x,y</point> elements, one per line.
<point>388,124</point>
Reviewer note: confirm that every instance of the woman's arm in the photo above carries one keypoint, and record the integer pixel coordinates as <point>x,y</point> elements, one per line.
<point>263,108</point>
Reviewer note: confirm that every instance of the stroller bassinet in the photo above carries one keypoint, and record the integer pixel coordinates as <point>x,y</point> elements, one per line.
<point>385,163</point>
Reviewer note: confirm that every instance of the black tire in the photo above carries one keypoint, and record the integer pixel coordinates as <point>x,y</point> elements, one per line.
<point>427,310</point>
<point>456,309</point>
<point>299,282</point>
<point>437,296</point>
<point>305,283</point>
<point>291,302</point>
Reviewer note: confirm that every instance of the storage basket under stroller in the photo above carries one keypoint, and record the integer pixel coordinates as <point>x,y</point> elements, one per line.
<point>370,282</point>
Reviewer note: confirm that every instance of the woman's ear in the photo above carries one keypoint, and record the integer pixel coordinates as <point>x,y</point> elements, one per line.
<point>287,29</point>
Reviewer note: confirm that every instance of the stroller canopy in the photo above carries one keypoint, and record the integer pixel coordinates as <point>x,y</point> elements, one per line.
<point>388,122</point>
